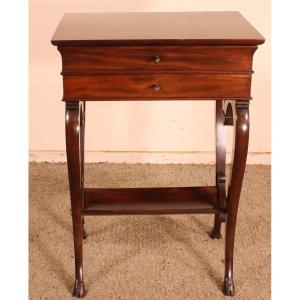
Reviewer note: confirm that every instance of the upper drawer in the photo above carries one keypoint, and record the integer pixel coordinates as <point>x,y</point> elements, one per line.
<point>130,59</point>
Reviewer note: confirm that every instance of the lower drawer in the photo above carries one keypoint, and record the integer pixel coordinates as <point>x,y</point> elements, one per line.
<point>157,86</point>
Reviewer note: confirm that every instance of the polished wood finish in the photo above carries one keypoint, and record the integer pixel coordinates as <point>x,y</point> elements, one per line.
<point>220,169</point>
<point>171,86</point>
<point>159,59</point>
<point>192,59</point>
<point>158,56</point>
<point>148,28</point>
<point>74,156</point>
<point>82,132</point>
<point>241,138</point>
<point>147,201</point>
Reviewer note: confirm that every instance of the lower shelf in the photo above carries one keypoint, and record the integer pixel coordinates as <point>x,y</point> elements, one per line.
<point>147,201</point>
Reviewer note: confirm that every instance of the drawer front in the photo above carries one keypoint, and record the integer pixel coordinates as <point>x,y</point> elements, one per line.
<point>130,59</point>
<point>157,86</point>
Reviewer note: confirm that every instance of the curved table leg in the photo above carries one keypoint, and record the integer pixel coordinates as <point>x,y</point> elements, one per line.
<point>241,121</point>
<point>82,129</point>
<point>76,189</point>
<point>220,169</point>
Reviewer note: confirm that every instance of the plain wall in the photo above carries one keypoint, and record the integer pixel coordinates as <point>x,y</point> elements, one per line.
<point>145,127</point>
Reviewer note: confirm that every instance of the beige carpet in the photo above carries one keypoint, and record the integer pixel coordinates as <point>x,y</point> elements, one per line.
<point>146,257</point>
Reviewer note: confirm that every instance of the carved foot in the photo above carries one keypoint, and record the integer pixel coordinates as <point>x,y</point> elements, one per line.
<point>79,289</point>
<point>215,234</point>
<point>84,234</point>
<point>228,288</point>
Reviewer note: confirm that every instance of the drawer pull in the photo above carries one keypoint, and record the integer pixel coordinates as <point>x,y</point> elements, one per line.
<point>156,59</point>
<point>156,87</point>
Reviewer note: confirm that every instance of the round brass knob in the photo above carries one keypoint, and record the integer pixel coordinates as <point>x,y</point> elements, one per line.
<point>156,87</point>
<point>157,59</point>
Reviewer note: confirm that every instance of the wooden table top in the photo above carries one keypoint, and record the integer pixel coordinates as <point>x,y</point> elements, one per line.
<point>148,28</point>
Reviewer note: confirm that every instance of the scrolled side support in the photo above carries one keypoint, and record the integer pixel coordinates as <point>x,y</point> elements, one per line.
<point>220,169</point>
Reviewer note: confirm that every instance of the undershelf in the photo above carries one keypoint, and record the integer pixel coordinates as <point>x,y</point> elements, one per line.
<point>147,201</point>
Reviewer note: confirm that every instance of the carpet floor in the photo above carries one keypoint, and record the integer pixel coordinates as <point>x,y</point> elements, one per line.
<point>146,257</point>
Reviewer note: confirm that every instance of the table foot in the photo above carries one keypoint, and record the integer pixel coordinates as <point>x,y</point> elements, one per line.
<point>228,287</point>
<point>84,234</point>
<point>215,234</point>
<point>79,289</point>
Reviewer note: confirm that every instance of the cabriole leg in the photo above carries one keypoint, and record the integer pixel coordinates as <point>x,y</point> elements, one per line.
<point>73,145</point>
<point>241,121</point>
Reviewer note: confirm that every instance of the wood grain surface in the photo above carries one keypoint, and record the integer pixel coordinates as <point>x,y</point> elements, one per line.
<point>171,86</point>
<point>208,28</point>
<point>148,59</point>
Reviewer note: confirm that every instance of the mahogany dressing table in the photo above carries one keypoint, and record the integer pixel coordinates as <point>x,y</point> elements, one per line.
<point>158,56</point>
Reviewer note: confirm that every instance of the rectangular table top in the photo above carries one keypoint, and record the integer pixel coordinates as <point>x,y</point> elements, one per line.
<point>155,28</point>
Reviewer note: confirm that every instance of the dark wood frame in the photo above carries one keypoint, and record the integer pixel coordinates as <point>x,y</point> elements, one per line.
<point>102,62</point>
<point>138,201</point>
